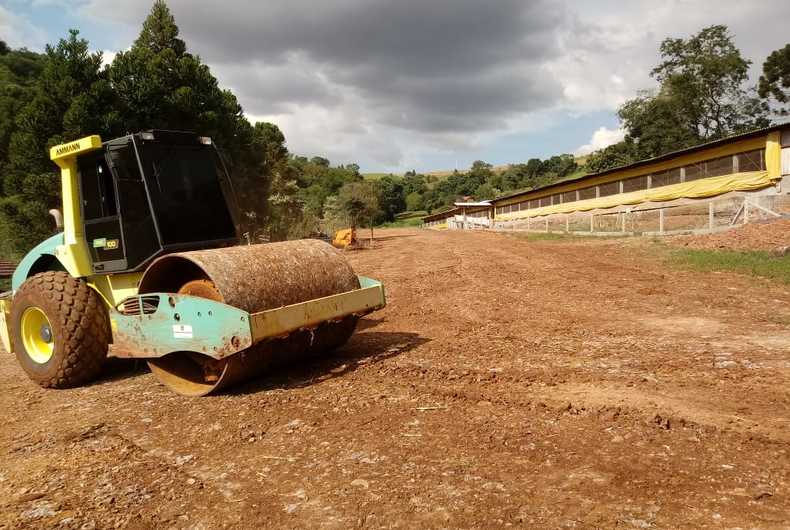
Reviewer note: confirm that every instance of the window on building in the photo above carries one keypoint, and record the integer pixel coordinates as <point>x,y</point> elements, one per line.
<point>665,178</point>
<point>545,201</point>
<point>751,160</point>
<point>694,171</point>
<point>635,184</point>
<point>534,203</point>
<point>569,196</point>
<point>610,188</point>
<point>587,193</point>
<point>718,166</point>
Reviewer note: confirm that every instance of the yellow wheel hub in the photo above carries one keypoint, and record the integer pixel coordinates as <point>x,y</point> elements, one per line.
<point>37,335</point>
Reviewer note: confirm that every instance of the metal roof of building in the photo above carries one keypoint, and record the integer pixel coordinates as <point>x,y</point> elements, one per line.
<point>648,161</point>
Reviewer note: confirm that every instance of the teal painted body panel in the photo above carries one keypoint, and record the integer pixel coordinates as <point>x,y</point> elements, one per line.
<point>177,323</point>
<point>180,323</point>
<point>44,249</point>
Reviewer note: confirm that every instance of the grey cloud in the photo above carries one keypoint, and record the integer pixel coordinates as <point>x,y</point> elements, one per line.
<point>441,65</point>
<point>275,88</point>
<point>379,80</point>
<point>412,36</point>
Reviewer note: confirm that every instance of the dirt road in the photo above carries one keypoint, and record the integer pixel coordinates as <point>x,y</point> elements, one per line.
<point>508,383</point>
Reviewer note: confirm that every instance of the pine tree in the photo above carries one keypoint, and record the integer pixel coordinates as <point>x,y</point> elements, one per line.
<point>70,98</point>
<point>161,85</point>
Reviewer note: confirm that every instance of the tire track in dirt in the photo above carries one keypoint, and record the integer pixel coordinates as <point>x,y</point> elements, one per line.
<point>548,384</point>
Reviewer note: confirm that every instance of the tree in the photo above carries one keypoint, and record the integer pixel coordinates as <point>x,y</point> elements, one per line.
<point>655,124</point>
<point>702,96</point>
<point>414,183</point>
<point>359,201</point>
<point>19,70</point>
<point>775,81</point>
<point>415,201</point>
<point>285,208</point>
<point>160,85</point>
<point>616,155</point>
<point>562,165</point>
<point>486,191</point>
<point>71,97</point>
<point>392,197</point>
<point>705,75</point>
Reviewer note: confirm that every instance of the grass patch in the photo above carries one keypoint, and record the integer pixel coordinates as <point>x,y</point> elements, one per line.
<point>402,223</point>
<point>760,264</point>
<point>408,215</point>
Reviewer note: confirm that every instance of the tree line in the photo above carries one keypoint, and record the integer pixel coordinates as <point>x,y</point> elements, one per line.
<point>702,94</point>
<point>68,92</point>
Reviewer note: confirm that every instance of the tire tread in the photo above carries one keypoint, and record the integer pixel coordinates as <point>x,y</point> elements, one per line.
<point>82,322</point>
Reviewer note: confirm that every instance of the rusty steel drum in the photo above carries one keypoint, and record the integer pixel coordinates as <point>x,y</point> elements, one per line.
<point>253,278</point>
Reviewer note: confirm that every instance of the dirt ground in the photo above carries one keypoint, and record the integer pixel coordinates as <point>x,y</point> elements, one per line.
<point>509,383</point>
<point>773,236</point>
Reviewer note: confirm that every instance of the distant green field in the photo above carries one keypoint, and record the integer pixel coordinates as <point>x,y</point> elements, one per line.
<point>377,176</point>
<point>406,219</point>
<point>402,223</point>
<point>409,215</point>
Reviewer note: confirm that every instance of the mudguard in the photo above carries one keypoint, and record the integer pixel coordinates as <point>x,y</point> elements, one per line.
<point>39,259</point>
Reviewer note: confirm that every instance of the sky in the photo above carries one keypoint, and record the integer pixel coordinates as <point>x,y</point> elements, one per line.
<point>395,85</point>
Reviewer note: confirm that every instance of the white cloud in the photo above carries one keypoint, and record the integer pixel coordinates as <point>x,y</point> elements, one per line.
<point>601,138</point>
<point>108,56</point>
<point>17,31</point>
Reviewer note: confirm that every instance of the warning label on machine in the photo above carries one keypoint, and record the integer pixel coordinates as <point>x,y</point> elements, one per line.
<point>182,331</point>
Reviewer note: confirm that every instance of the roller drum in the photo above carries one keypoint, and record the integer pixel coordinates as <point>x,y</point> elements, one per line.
<point>253,278</point>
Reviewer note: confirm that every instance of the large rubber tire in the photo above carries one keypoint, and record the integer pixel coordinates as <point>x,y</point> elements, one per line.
<point>80,330</point>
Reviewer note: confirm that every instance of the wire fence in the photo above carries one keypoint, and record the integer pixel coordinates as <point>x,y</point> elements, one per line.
<point>690,216</point>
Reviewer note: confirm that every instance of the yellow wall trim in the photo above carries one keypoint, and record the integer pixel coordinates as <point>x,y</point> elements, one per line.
<point>696,189</point>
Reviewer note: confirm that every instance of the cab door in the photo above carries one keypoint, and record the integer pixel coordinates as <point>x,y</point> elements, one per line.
<point>102,222</point>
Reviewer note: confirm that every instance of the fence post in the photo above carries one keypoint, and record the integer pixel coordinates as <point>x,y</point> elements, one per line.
<point>710,216</point>
<point>661,221</point>
<point>567,223</point>
<point>547,224</point>
<point>592,223</point>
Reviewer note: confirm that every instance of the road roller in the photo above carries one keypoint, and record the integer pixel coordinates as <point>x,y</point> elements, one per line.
<point>147,265</point>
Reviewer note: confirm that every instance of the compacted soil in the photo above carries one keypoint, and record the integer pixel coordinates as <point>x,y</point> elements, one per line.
<point>509,383</point>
